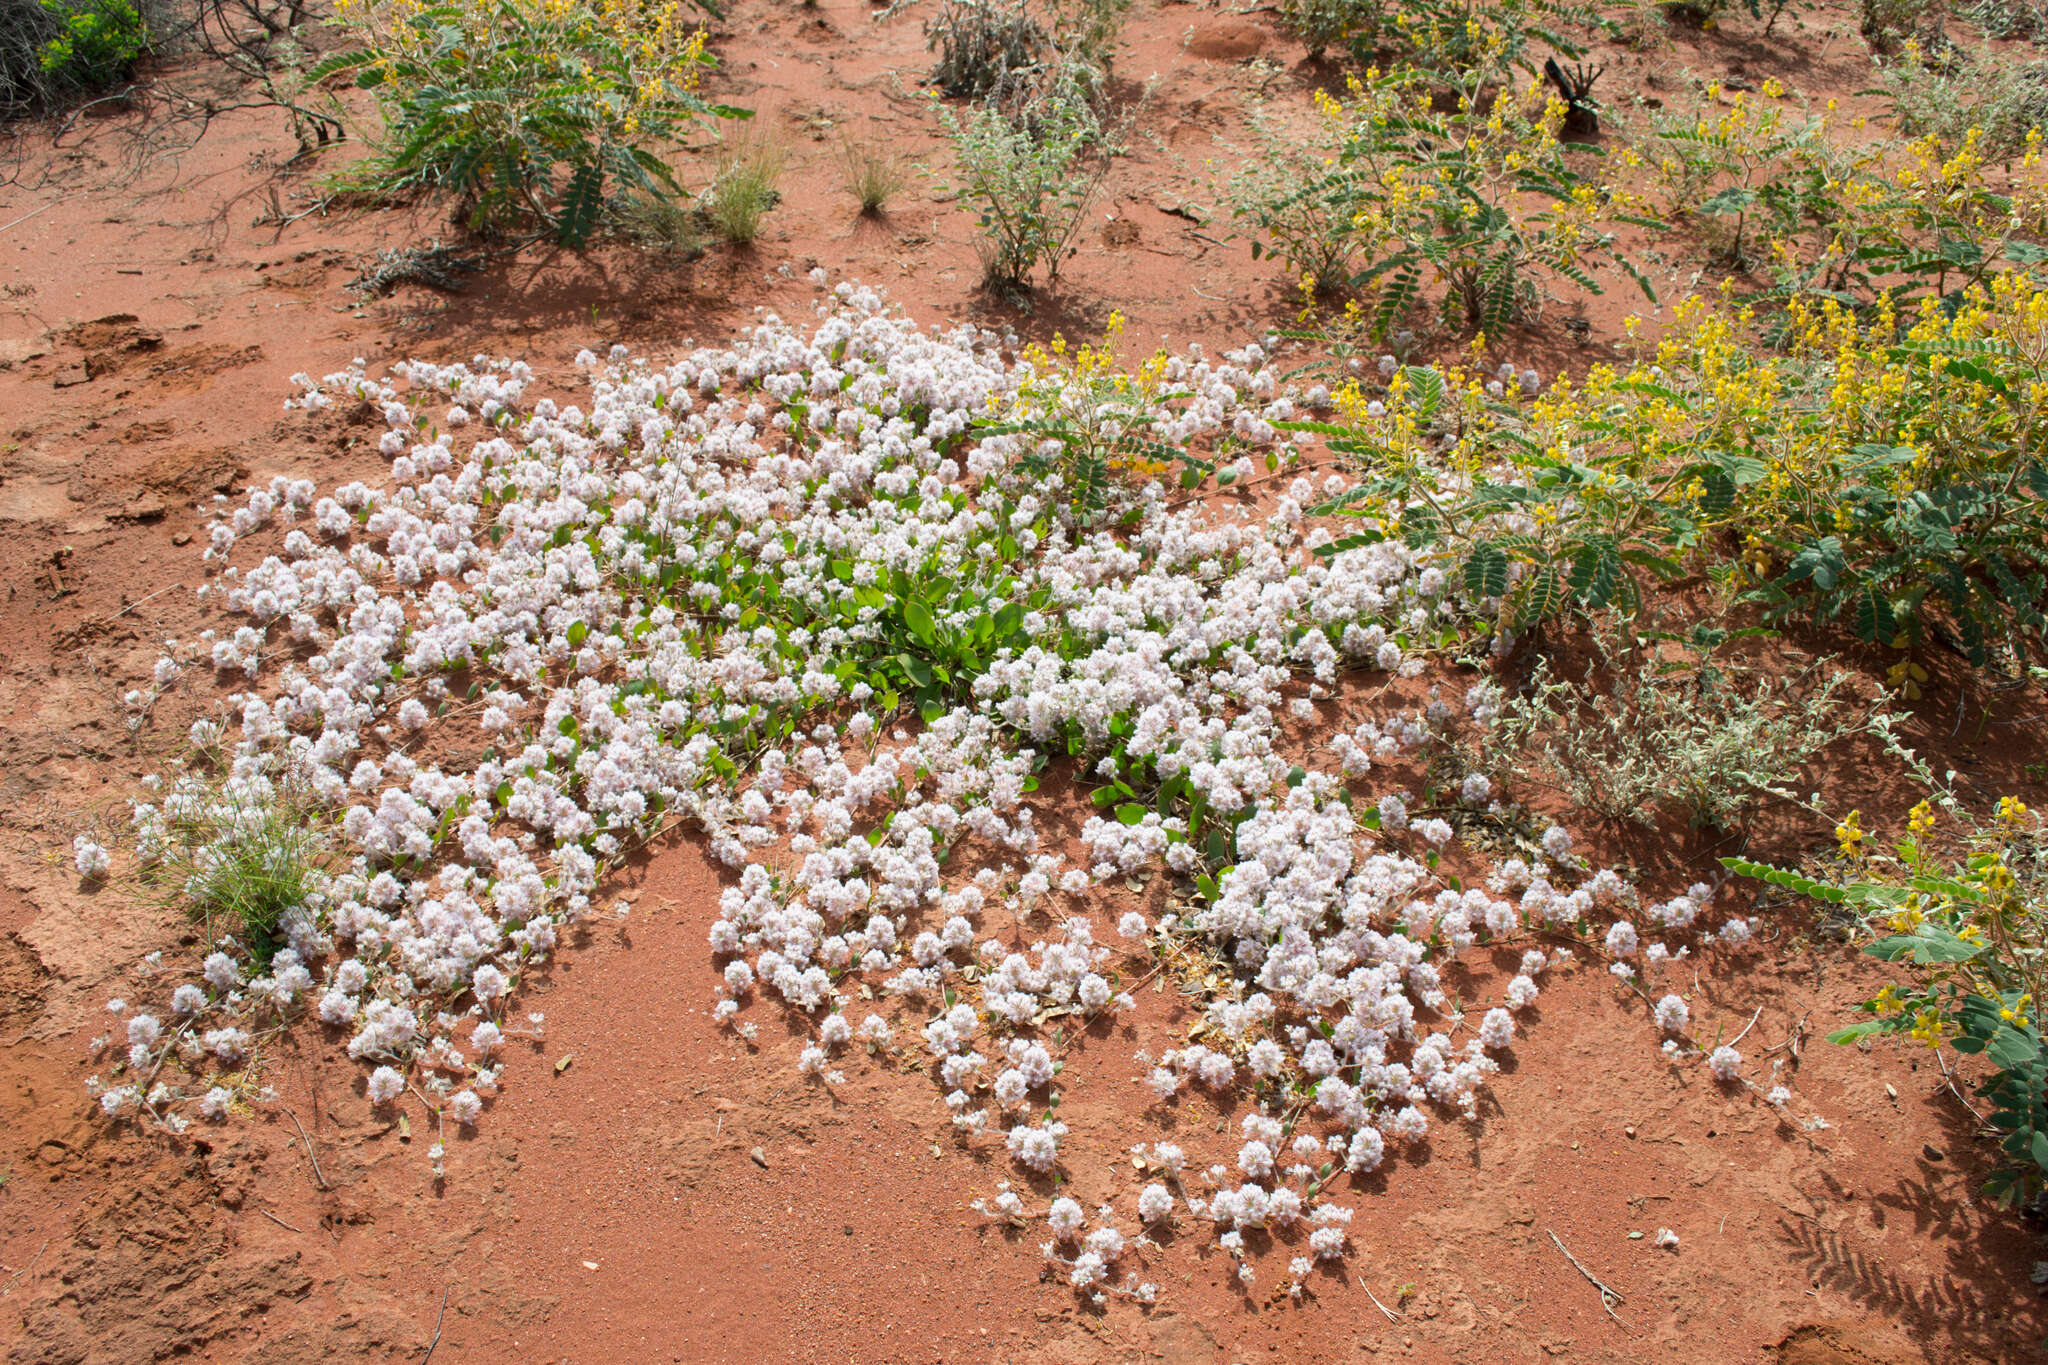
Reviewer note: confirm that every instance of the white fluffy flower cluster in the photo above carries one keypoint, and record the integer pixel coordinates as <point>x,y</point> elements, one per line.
<point>89,857</point>
<point>711,595</point>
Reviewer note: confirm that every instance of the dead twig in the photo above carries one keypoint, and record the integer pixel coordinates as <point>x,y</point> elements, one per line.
<point>79,635</point>
<point>30,214</point>
<point>437,1327</point>
<point>1950,1081</point>
<point>1608,1297</point>
<point>1391,1314</point>
<point>25,1269</point>
<point>141,600</point>
<point>1089,1022</point>
<point>1792,1039</point>
<point>317,1174</point>
<point>279,1221</point>
<point>1747,1027</point>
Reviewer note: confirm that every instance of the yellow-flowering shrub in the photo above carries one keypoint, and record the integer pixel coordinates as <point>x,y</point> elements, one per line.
<point>1480,199</point>
<point>1960,898</point>
<point>1890,472</point>
<point>1831,206</point>
<point>541,111</point>
<point>1096,428</point>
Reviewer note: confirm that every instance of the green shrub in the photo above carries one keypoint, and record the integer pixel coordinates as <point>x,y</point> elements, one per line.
<point>2001,101</point>
<point>983,46</point>
<point>1886,24</point>
<point>2006,18</point>
<point>527,111</point>
<point>1351,26</point>
<point>1011,51</point>
<point>664,225</point>
<point>1748,168</point>
<point>1301,204</point>
<point>1085,33</point>
<point>1479,198</point>
<point>1657,723</point>
<point>1888,474</point>
<point>53,52</point>
<point>1439,37</point>
<point>1030,175</point>
<point>96,41</point>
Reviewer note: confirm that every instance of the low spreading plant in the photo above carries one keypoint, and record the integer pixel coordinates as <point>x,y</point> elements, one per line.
<point>1656,723</point>
<point>527,112</point>
<point>723,595</point>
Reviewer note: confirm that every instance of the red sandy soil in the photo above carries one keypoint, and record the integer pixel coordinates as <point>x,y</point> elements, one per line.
<point>671,1194</point>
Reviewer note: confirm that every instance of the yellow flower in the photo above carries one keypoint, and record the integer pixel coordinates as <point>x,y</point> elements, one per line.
<point>1927,1027</point>
<point>1920,819</point>
<point>1849,835</point>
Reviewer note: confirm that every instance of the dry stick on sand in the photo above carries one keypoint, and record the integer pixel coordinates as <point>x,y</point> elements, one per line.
<point>1950,1081</point>
<point>1608,1297</point>
<point>25,1269</point>
<point>1391,1315</point>
<point>143,601</point>
<point>1747,1027</point>
<point>437,1327</point>
<point>1089,1022</point>
<point>317,1175</point>
<point>277,1220</point>
<point>1792,1039</point>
